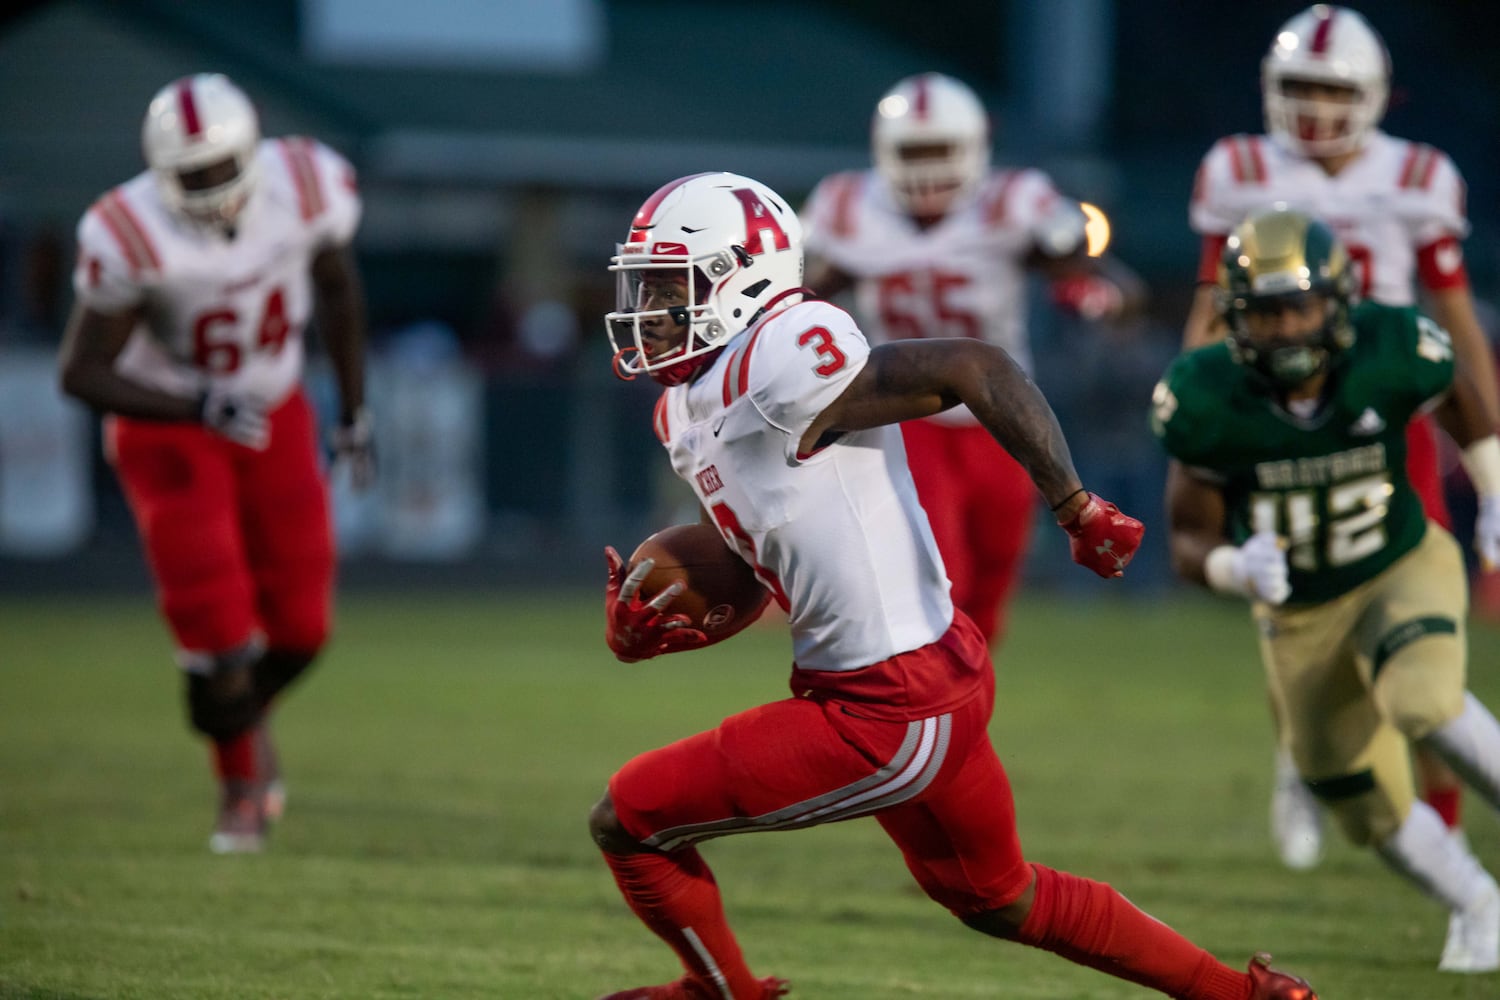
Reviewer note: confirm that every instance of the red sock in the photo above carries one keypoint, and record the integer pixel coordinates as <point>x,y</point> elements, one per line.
<point>1092,924</point>
<point>1445,802</point>
<point>234,758</point>
<point>676,896</point>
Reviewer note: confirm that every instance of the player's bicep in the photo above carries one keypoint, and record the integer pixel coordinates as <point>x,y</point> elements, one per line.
<point>334,271</point>
<point>1195,519</point>
<point>1453,310</point>
<point>902,380</point>
<point>1195,506</point>
<point>91,342</point>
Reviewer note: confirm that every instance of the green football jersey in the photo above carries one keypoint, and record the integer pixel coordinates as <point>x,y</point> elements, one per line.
<point>1333,483</point>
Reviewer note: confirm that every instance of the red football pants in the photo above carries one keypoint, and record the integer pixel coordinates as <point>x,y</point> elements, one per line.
<point>239,541</point>
<point>935,784</point>
<point>981,504</point>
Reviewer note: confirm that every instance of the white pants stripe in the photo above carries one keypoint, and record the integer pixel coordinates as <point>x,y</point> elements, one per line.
<point>908,773</point>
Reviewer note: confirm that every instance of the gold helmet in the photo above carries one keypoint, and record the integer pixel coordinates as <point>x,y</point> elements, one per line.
<point>1274,256</point>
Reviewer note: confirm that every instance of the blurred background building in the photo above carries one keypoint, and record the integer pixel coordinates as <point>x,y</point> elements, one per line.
<point>503,146</point>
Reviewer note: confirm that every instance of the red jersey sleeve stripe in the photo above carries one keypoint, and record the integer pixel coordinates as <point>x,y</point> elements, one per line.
<point>999,204</point>
<point>1424,181</point>
<point>659,420</point>
<point>844,193</point>
<point>1406,165</point>
<point>299,161</point>
<point>1246,160</point>
<point>1236,161</point>
<point>111,220</point>
<point>1257,160</point>
<point>729,394</point>
<point>128,233</point>
<point>1414,165</point>
<point>742,381</point>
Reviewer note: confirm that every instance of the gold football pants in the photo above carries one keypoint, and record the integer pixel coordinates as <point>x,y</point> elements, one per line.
<point>1357,677</point>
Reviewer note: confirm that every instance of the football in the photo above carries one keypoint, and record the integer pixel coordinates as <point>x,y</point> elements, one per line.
<point>722,596</point>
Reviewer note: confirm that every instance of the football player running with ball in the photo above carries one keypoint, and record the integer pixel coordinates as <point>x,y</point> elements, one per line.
<point>194,283</point>
<point>936,243</point>
<point>782,419</point>
<point>1288,487</point>
<point>1398,208</point>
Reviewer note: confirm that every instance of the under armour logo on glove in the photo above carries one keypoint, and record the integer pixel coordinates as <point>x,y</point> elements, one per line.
<point>1102,538</point>
<point>1108,550</point>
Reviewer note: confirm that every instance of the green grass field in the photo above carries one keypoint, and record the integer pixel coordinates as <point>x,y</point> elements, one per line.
<point>442,761</point>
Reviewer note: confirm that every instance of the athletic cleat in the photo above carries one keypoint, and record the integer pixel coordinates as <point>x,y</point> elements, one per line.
<point>1268,984</point>
<point>241,826</point>
<point>1473,943</point>
<point>689,988</point>
<point>1296,819</point>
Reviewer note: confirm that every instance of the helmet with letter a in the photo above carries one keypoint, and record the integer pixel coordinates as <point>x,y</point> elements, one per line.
<point>931,142</point>
<point>1285,287</point>
<point>1325,82</point>
<point>200,138</point>
<point>706,256</point>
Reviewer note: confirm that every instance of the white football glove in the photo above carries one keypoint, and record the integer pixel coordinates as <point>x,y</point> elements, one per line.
<point>353,446</point>
<point>1487,532</point>
<point>239,417</point>
<point>1256,569</point>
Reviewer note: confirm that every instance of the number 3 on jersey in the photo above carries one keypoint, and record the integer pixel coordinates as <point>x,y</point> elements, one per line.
<point>217,350</point>
<point>830,358</point>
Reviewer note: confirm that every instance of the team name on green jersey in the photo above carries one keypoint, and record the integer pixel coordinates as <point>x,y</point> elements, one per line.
<point>1320,470</point>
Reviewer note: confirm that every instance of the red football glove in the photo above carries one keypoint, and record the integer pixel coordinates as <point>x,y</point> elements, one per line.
<point>638,631</point>
<point>1102,538</point>
<point>1088,295</point>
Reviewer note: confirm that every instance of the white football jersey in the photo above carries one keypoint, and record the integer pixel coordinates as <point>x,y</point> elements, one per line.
<point>837,535</point>
<point>1397,199</point>
<point>222,311</point>
<point>965,276</point>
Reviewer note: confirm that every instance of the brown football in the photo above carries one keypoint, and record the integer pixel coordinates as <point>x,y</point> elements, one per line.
<point>722,595</point>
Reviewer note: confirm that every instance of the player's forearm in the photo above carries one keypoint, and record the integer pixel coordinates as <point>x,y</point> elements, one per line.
<point>341,317</point>
<point>1204,325</point>
<point>1189,552</point>
<point>1010,406</point>
<point>1454,310</point>
<point>1195,523</point>
<point>106,392</point>
<point>1463,414</point>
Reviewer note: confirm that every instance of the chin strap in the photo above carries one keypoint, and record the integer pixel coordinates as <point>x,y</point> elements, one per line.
<point>618,364</point>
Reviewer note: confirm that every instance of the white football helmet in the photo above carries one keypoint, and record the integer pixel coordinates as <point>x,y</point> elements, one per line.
<point>1332,45</point>
<point>737,244</point>
<point>935,111</point>
<point>197,122</point>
